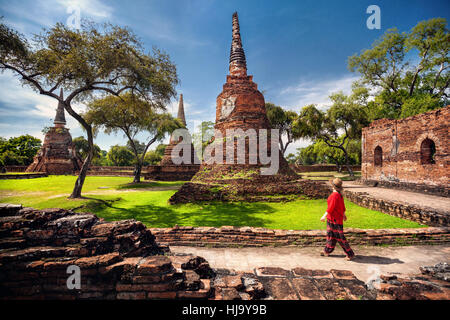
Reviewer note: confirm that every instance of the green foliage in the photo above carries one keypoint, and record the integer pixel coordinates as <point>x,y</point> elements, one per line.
<point>120,156</point>
<point>307,156</point>
<point>153,157</point>
<point>419,104</point>
<point>18,150</point>
<point>408,71</point>
<point>338,128</point>
<point>282,120</point>
<point>291,158</point>
<point>82,147</point>
<point>131,115</point>
<point>202,136</point>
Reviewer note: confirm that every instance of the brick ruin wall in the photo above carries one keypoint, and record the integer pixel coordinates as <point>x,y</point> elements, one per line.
<point>404,159</point>
<point>117,260</point>
<point>153,172</point>
<point>229,236</point>
<point>320,168</point>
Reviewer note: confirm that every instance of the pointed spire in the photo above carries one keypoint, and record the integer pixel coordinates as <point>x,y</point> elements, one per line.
<point>181,110</point>
<point>60,118</point>
<point>238,65</point>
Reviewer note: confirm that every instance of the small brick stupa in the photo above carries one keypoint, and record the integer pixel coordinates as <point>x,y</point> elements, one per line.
<point>57,155</point>
<point>241,106</point>
<point>167,158</point>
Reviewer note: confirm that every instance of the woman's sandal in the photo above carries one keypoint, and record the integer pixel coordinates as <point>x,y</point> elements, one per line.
<point>350,258</point>
<point>323,254</point>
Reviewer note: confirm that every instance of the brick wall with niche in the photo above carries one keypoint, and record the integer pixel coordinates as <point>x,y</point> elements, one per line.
<point>413,150</point>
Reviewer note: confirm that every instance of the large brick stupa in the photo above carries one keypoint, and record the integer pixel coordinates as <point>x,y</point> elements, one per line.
<point>57,154</point>
<point>241,106</point>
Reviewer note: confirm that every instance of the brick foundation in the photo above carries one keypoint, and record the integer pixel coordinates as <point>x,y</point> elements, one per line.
<point>229,236</point>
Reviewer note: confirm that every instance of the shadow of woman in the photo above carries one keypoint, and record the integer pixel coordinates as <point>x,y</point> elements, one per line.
<point>375,260</point>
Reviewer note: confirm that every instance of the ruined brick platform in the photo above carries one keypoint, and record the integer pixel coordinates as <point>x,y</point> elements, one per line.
<point>118,260</point>
<point>250,188</point>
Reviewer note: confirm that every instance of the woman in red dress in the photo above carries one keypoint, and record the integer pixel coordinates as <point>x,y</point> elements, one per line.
<point>335,216</point>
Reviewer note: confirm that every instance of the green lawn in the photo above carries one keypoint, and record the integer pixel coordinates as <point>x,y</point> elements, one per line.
<point>114,198</point>
<point>327,175</point>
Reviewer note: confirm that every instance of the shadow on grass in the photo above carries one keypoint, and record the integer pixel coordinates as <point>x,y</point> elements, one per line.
<point>152,184</point>
<point>208,215</point>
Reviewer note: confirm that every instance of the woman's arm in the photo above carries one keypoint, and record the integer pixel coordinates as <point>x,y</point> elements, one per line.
<point>324,217</point>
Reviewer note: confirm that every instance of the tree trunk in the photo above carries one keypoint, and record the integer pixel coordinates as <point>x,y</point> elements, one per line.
<point>349,167</point>
<point>137,173</point>
<point>76,193</point>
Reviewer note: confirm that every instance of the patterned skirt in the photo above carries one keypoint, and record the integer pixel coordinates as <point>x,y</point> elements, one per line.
<point>335,233</point>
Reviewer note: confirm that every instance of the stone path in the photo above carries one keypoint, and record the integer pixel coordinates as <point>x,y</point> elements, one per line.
<point>407,197</point>
<point>371,260</point>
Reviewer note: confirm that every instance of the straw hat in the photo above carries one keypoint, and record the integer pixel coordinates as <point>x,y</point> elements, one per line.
<point>337,184</point>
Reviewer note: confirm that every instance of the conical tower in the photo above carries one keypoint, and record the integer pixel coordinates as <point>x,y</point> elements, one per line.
<point>60,119</point>
<point>167,158</point>
<point>238,64</point>
<point>241,106</point>
<point>180,114</point>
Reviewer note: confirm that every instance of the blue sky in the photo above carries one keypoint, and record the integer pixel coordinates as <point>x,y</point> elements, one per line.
<point>296,50</point>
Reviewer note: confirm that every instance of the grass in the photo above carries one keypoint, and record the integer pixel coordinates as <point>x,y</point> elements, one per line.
<point>327,175</point>
<point>124,200</point>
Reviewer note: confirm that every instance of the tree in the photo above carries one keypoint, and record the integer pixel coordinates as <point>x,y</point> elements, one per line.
<point>406,69</point>
<point>19,150</point>
<point>153,157</point>
<point>120,156</point>
<point>336,156</point>
<point>291,158</point>
<point>92,60</point>
<point>131,115</point>
<point>202,137</point>
<point>306,155</point>
<point>140,146</point>
<point>82,147</point>
<point>342,122</point>
<point>282,120</point>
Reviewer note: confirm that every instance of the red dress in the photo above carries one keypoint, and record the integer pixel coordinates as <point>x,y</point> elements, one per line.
<point>335,228</point>
<point>336,208</point>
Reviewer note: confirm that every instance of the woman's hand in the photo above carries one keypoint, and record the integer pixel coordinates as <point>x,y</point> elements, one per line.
<point>345,217</point>
<point>324,217</point>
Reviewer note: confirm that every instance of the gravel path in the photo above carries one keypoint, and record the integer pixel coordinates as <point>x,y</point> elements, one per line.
<point>369,260</point>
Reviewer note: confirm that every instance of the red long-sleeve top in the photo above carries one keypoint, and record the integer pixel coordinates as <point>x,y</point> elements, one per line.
<point>336,208</point>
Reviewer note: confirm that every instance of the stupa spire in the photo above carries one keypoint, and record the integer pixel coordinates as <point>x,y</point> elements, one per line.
<point>238,65</point>
<point>181,110</point>
<point>60,118</point>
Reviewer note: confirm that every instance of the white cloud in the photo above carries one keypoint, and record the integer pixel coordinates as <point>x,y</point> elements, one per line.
<point>92,8</point>
<point>315,91</point>
<point>16,99</point>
